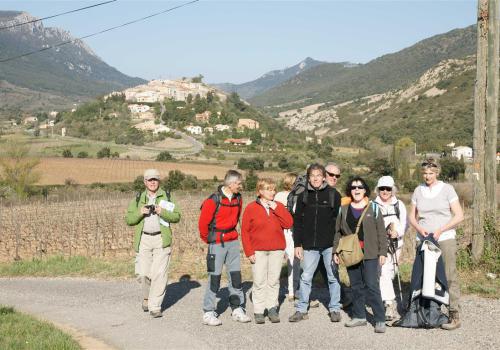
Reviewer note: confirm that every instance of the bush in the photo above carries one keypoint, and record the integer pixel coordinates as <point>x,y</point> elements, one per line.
<point>410,185</point>
<point>67,153</point>
<point>163,156</point>
<point>104,152</point>
<point>82,154</point>
<point>255,163</point>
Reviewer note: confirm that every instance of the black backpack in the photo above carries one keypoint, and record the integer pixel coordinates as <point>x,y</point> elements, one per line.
<point>300,186</point>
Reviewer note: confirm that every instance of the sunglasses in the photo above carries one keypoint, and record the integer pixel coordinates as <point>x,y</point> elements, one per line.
<point>429,164</point>
<point>333,175</point>
<point>357,187</point>
<point>385,188</point>
<point>149,180</point>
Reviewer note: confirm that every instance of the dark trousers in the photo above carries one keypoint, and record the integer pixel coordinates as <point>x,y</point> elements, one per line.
<point>365,288</point>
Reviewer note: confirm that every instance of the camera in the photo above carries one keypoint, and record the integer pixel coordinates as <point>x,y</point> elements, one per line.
<point>151,208</point>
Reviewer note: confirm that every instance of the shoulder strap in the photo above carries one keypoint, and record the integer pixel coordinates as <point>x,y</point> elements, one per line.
<point>167,193</point>
<point>375,208</point>
<point>332,197</point>
<point>361,219</point>
<point>396,208</point>
<point>137,198</point>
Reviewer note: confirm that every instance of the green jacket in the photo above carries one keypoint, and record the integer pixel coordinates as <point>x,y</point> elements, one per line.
<point>135,218</point>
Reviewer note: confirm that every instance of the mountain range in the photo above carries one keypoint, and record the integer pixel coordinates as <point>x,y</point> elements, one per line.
<point>269,80</point>
<point>335,83</point>
<point>60,76</point>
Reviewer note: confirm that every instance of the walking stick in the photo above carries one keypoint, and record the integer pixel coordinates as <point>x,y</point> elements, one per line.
<point>393,244</point>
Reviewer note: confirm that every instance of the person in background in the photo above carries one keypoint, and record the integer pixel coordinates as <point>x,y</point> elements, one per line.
<point>263,243</point>
<point>435,210</point>
<point>151,213</point>
<point>372,238</point>
<point>293,264</point>
<point>394,212</point>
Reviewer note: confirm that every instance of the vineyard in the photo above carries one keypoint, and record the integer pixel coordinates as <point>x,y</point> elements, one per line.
<point>94,226</point>
<point>55,171</point>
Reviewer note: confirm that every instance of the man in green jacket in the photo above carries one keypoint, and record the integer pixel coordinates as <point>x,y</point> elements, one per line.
<point>151,213</point>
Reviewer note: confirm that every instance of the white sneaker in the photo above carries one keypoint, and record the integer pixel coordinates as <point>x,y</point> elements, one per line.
<point>239,315</point>
<point>210,319</point>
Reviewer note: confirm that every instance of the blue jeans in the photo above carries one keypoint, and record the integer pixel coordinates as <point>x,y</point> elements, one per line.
<point>309,264</point>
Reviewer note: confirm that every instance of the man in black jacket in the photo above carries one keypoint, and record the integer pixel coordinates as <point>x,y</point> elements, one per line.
<point>314,225</point>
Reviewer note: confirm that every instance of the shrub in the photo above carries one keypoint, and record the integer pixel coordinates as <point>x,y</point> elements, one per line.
<point>255,163</point>
<point>163,156</point>
<point>67,153</point>
<point>82,154</point>
<point>104,152</point>
<point>251,181</point>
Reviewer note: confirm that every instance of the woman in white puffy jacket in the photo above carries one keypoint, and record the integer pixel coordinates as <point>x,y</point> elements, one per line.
<point>395,220</point>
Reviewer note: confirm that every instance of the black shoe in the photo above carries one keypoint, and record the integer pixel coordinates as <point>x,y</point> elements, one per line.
<point>298,316</point>
<point>156,314</point>
<point>273,315</point>
<point>259,318</point>
<point>335,316</point>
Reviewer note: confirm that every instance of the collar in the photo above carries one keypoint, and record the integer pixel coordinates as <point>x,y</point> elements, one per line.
<point>379,201</point>
<point>322,187</point>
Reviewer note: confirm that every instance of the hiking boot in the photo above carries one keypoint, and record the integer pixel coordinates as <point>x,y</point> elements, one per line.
<point>145,305</point>
<point>379,327</point>
<point>335,316</point>
<point>454,321</point>
<point>314,303</point>
<point>156,314</point>
<point>290,298</point>
<point>210,319</point>
<point>298,316</point>
<point>273,315</point>
<point>239,315</point>
<point>391,312</point>
<point>355,322</point>
<point>259,318</point>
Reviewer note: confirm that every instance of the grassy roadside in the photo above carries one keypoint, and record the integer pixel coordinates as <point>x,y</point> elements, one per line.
<point>22,332</point>
<point>471,281</point>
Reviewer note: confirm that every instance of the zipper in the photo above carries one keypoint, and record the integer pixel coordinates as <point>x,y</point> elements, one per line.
<point>316,220</point>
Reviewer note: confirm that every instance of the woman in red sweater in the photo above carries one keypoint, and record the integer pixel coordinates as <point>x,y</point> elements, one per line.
<point>264,245</point>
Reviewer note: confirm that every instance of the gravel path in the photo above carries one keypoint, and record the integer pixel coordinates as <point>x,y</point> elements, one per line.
<point>110,311</point>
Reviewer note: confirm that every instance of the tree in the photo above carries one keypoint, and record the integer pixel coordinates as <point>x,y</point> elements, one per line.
<point>82,154</point>
<point>174,179</point>
<point>197,79</point>
<point>251,181</point>
<point>452,168</point>
<point>18,170</point>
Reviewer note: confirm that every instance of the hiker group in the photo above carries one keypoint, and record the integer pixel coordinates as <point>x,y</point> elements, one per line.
<point>311,226</point>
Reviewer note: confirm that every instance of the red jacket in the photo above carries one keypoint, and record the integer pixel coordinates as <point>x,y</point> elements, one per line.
<point>260,231</point>
<point>227,217</point>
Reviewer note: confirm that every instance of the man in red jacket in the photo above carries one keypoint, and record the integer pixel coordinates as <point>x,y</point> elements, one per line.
<point>217,225</point>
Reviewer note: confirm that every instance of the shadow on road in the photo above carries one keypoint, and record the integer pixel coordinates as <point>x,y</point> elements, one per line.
<point>223,294</point>
<point>178,290</point>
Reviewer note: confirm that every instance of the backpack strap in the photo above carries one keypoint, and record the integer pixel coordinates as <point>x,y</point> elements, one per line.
<point>375,208</point>
<point>168,194</point>
<point>396,208</point>
<point>137,198</point>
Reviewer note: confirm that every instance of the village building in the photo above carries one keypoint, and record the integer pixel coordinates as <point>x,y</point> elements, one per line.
<point>248,123</point>
<point>239,142</point>
<point>222,127</point>
<point>460,152</point>
<point>30,120</point>
<point>135,108</point>
<point>195,130</point>
<point>203,117</point>
<point>208,129</point>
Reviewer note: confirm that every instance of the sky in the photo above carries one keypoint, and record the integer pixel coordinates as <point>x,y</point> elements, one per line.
<point>238,41</point>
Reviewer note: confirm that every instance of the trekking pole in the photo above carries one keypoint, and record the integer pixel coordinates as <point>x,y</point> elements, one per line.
<point>396,266</point>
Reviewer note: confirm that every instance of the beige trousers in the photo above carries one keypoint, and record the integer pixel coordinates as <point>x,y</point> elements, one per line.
<point>153,261</point>
<point>266,279</point>
<point>449,254</point>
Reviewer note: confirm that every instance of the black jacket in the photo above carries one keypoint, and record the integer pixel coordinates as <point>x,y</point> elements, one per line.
<point>315,217</point>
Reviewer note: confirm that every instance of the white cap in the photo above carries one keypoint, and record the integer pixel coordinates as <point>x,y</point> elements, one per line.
<point>151,174</point>
<point>385,181</point>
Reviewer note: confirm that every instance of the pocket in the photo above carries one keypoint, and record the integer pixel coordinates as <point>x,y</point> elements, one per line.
<point>210,262</point>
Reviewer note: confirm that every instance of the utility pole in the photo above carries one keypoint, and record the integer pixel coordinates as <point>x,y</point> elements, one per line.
<point>485,122</point>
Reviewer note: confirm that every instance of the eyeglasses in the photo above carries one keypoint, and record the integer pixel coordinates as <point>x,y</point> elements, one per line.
<point>385,188</point>
<point>429,164</point>
<point>333,175</point>
<point>357,187</point>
